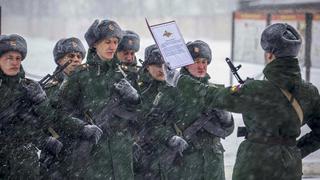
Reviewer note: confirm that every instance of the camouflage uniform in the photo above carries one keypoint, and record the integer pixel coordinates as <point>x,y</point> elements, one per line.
<point>23,120</point>
<point>204,157</point>
<point>130,41</point>
<point>190,119</point>
<point>272,123</point>
<point>131,71</point>
<point>146,166</point>
<point>84,95</point>
<point>204,148</point>
<point>59,164</point>
<point>270,141</point>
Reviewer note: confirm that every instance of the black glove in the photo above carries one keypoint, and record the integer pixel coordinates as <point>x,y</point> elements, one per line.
<point>34,91</point>
<point>127,92</point>
<point>171,75</point>
<point>179,143</point>
<point>53,146</point>
<point>92,133</point>
<point>225,117</point>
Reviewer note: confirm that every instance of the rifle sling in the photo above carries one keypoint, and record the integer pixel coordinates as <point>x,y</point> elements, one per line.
<point>296,106</point>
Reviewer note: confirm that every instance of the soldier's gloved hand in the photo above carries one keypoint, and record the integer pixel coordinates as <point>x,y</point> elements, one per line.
<point>225,118</point>
<point>34,92</point>
<point>171,75</point>
<point>92,133</point>
<point>127,91</point>
<point>53,146</point>
<point>179,143</point>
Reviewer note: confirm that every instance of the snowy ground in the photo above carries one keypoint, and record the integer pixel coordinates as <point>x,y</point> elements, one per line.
<point>40,62</point>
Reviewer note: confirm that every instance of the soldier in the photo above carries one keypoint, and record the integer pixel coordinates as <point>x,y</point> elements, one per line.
<point>273,110</point>
<point>65,50</point>
<point>25,113</point>
<point>196,128</point>
<point>151,82</point>
<point>94,92</point>
<point>128,46</point>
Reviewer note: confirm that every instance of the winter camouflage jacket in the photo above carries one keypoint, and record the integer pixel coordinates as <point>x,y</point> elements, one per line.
<point>53,86</point>
<point>131,71</point>
<point>203,159</point>
<point>11,89</point>
<point>22,125</point>
<point>86,93</point>
<point>272,124</point>
<point>146,165</point>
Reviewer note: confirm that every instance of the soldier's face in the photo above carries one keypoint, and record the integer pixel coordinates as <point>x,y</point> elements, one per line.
<point>198,68</point>
<point>75,58</point>
<point>10,63</point>
<point>106,48</point>
<point>156,72</point>
<point>126,56</point>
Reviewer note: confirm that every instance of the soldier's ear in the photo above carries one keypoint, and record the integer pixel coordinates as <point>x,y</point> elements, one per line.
<point>269,57</point>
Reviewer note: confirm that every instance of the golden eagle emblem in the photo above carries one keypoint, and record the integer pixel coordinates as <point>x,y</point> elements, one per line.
<point>167,34</point>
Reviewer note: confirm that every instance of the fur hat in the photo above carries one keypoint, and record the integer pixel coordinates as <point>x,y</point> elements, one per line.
<point>13,42</point>
<point>100,30</point>
<point>69,45</point>
<point>152,56</point>
<point>129,41</point>
<point>281,39</point>
<point>199,49</point>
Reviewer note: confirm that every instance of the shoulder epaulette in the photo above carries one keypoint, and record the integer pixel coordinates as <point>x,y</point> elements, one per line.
<point>82,67</point>
<point>27,80</point>
<point>140,83</point>
<point>129,68</point>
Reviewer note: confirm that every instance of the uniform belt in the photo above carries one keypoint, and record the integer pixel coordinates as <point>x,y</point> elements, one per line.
<point>271,140</point>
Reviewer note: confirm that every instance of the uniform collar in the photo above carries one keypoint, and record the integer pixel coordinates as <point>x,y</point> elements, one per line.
<point>4,79</point>
<point>283,72</point>
<point>204,80</point>
<point>103,66</point>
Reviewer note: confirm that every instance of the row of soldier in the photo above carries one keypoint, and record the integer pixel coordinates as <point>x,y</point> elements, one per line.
<point>111,119</point>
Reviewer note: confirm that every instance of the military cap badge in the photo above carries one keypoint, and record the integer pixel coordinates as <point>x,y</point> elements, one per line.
<point>196,50</point>
<point>111,27</point>
<point>13,43</point>
<point>74,44</point>
<point>130,42</point>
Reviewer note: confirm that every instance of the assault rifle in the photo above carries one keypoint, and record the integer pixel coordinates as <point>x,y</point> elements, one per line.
<point>49,77</point>
<point>171,153</point>
<point>215,122</point>
<point>234,70</point>
<point>81,154</point>
<point>242,131</point>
